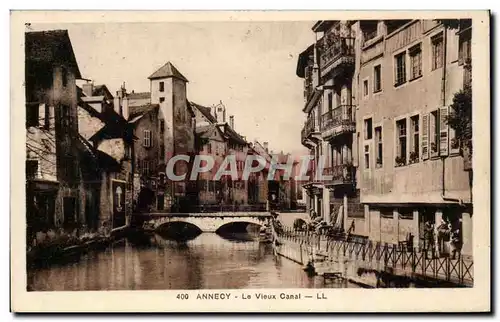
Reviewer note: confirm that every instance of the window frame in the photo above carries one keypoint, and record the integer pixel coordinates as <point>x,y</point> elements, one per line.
<point>147,139</point>
<point>399,146</point>
<point>437,61</point>
<point>413,52</point>
<point>366,153</point>
<point>398,81</point>
<point>377,80</point>
<point>161,87</point>
<point>368,130</point>
<point>366,86</point>
<point>415,138</point>
<point>379,147</point>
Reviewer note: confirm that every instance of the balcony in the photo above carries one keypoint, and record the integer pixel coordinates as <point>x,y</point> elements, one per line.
<point>336,54</point>
<point>310,133</point>
<point>338,121</point>
<point>342,174</point>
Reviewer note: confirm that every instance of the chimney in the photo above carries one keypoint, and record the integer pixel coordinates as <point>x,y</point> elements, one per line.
<point>231,121</point>
<point>266,146</point>
<point>125,112</point>
<point>117,103</point>
<point>88,88</point>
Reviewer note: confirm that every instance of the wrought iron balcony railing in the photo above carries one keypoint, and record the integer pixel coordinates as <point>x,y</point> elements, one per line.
<point>339,120</point>
<point>334,47</point>
<point>341,174</point>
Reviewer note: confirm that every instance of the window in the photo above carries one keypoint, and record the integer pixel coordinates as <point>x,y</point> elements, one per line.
<point>31,169</point>
<point>437,51</point>
<point>405,213</point>
<point>386,213</point>
<point>400,70</point>
<point>415,61</point>
<point>365,87</point>
<point>415,139</point>
<point>145,167</point>
<point>162,126</point>
<point>162,99</point>
<point>147,142</point>
<point>377,78</point>
<point>434,132</point>
<point>46,124</point>
<point>64,77</point>
<point>368,129</point>
<point>369,29</point>
<point>162,151</point>
<point>379,147</point>
<point>367,157</point>
<point>128,151</point>
<point>401,143</point>
<point>32,115</point>
<point>216,149</point>
<point>464,49</point>
<point>330,102</point>
<point>162,87</point>
<point>209,148</point>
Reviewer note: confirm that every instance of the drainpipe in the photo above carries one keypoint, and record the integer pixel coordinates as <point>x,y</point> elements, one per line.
<point>443,93</point>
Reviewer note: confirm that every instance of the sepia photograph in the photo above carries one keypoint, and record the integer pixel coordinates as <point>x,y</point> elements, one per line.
<point>230,157</point>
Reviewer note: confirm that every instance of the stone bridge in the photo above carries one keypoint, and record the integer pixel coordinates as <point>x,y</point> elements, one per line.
<point>206,222</point>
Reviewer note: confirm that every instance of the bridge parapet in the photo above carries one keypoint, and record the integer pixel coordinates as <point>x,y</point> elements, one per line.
<point>207,222</point>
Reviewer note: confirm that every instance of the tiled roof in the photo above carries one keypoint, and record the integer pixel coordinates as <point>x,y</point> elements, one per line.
<point>141,95</point>
<point>205,111</point>
<point>141,110</point>
<point>168,70</point>
<point>232,134</point>
<point>52,46</point>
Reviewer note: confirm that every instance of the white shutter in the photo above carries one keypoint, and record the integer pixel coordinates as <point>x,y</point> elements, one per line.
<point>443,131</point>
<point>425,136</point>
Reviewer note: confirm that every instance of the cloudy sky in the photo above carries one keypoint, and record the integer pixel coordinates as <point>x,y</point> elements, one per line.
<point>250,66</point>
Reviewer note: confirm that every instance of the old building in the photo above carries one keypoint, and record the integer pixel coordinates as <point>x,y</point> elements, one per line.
<point>164,124</point>
<point>57,158</point>
<point>102,121</point>
<point>410,168</point>
<point>377,99</point>
<point>328,69</point>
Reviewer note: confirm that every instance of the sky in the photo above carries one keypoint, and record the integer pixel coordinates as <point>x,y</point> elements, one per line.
<point>249,66</point>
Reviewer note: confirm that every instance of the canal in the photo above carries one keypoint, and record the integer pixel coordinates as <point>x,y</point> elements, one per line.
<point>209,261</point>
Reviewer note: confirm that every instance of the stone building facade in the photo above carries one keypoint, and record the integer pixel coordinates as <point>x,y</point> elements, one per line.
<point>398,77</point>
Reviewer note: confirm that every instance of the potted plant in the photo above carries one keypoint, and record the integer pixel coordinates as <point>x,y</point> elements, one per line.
<point>433,147</point>
<point>455,144</point>
<point>400,161</point>
<point>414,157</point>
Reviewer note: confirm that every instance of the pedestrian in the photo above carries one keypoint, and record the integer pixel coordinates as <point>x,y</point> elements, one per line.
<point>428,238</point>
<point>455,243</point>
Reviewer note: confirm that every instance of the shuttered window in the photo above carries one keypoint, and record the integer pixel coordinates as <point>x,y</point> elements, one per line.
<point>148,142</point>
<point>425,136</point>
<point>443,131</point>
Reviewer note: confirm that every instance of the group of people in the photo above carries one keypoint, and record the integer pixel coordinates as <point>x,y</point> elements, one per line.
<point>438,234</point>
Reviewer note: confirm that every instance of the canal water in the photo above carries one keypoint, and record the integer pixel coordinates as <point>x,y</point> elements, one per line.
<point>208,261</point>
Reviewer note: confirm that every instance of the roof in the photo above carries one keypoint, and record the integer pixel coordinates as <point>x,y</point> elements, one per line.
<point>141,95</point>
<point>303,60</point>
<point>168,70</point>
<point>51,47</point>
<point>322,25</point>
<point>102,90</point>
<point>141,110</point>
<point>206,111</point>
<point>232,134</point>
<point>200,130</point>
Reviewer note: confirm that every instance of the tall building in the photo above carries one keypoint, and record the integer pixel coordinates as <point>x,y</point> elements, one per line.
<point>165,126</point>
<point>328,69</point>
<point>410,167</point>
<point>378,96</point>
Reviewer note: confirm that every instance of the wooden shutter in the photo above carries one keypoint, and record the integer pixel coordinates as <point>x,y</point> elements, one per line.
<point>425,137</point>
<point>443,131</point>
<point>41,115</point>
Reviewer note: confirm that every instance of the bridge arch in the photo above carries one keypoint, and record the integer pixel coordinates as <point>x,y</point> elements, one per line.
<point>238,226</point>
<point>178,230</point>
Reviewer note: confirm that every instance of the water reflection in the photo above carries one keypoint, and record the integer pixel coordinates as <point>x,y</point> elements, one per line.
<point>152,263</point>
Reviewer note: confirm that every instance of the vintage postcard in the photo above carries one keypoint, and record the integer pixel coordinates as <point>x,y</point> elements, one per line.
<point>250,161</point>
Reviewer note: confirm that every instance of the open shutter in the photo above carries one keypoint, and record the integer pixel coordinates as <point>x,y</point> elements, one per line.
<point>41,114</point>
<point>425,137</point>
<point>443,131</point>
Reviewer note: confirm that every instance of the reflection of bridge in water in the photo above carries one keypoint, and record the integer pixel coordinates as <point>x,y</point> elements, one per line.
<point>206,222</point>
